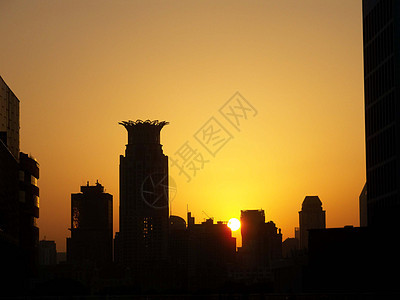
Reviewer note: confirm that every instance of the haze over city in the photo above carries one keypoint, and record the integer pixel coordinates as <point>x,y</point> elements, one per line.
<point>80,67</point>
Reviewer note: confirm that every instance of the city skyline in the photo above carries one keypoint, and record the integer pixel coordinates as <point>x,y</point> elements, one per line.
<point>307,138</point>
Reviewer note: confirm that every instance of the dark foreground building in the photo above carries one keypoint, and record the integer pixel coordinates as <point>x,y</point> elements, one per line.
<point>29,209</point>
<point>91,227</point>
<point>352,260</point>
<point>19,201</point>
<point>381,32</point>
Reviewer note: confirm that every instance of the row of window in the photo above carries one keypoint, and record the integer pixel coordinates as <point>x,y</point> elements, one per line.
<point>32,179</point>
<point>386,202</point>
<point>380,114</point>
<point>22,198</point>
<point>379,81</point>
<point>382,180</point>
<point>377,18</point>
<point>381,147</point>
<point>379,49</point>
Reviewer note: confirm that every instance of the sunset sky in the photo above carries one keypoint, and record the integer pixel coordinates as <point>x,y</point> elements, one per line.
<point>80,67</point>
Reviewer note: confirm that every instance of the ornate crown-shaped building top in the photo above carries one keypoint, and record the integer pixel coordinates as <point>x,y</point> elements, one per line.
<point>143,132</point>
<point>139,122</point>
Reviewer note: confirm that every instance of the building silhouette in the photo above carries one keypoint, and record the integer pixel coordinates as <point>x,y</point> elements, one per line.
<point>29,209</point>
<point>363,205</point>
<point>177,240</point>
<point>381,27</point>
<point>311,216</point>
<point>9,118</point>
<point>144,214</point>
<point>261,246</point>
<point>9,159</point>
<point>211,251</point>
<point>47,253</point>
<point>261,241</point>
<point>19,199</point>
<point>91,226</point>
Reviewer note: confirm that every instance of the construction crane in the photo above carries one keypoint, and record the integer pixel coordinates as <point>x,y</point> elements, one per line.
<point>212,218</point>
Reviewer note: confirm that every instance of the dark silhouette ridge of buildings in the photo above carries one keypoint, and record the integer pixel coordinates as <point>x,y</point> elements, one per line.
<point>381,31</point>
<point>311,216</point>
<point>91,240</point>
<point>144,213</point>
<point>211,250</point>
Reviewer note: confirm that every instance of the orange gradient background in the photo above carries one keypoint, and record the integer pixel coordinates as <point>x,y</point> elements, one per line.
<point>80,67</point>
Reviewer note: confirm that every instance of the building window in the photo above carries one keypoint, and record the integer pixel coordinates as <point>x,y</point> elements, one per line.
<point>22,196</point>
<point>36,201</point>
<point>33,180</point>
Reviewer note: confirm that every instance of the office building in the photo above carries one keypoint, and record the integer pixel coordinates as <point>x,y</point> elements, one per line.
<point>261,241</point>
<point>9,159</point>
<point>311,216</point>
<point>144,214</point>
<point>47,253</point>
<point>363,205</point>
<point>19,199</point>
<point>29,208</point>
<point>381,32</point>
<point>91,226</point>
<point>211,250</point>
<point>9,119</point>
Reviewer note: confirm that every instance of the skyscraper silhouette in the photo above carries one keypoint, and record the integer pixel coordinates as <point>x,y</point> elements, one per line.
<point>91,226</point>
<point>381,31</point>
<point>143,236</point>
<point>261,241</point>
<point>9,119</point>
<point>19,199</point>
<point>311,216</point>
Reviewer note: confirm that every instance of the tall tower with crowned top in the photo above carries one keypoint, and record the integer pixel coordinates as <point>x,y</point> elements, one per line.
<point>143,236</point>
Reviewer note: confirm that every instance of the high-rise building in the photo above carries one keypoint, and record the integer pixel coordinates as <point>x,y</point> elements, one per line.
<point>381,32</point>
<point>311,216</point>
<point>9,118</point>
<point>143,236</point>
<point>261,241</point>
<point>211,251</point>
<point>91,226</point>
<point>19,199</point>
<point>29,208</point>
<point>9,159</point>
<point>362,200</point>
<point>47,253</point>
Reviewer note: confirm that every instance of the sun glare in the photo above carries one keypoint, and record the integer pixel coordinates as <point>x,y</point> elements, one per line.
<point>234,224</point>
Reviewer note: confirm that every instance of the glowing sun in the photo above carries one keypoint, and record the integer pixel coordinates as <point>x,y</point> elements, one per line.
<point>234,224</point>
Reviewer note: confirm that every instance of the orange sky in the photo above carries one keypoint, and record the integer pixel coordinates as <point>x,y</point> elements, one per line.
<point>80,67</point>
